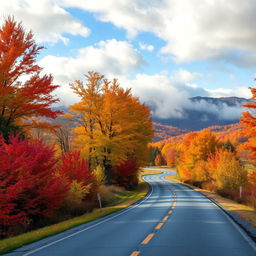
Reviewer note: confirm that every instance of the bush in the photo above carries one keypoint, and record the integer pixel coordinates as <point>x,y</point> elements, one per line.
<point>75,172</point>
<point>126,174</point>
<point>29,187</point>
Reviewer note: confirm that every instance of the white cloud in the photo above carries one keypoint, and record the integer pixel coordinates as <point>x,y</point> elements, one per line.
<point>192,30</point>
<point>111,58</point>
<point>48,21</point>
<point>146,47</point>
<point>184,76</point>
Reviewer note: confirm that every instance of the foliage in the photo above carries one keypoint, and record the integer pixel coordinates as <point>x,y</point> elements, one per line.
<point>99,175</point>
<point>126,174</point>
<point>195,147</point>
<point>201,171</point>
<point>112,125</point>
<point>74,168</point>
<point>10,130</point>
<point>159,160</point>
<point>73,202</point>
<point>28,185</point>
<point>21,99</point>
<point>229,174</point>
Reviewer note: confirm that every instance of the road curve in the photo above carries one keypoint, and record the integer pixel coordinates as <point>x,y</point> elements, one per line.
<point>171,220</point>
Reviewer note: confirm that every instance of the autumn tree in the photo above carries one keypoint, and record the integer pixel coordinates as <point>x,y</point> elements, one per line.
<point>24,92</point>
<point>229,173</point>
<point>113,126</point>
<point>195,147</point>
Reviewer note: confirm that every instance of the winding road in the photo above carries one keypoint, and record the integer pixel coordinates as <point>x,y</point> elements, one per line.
<point>171,220</point>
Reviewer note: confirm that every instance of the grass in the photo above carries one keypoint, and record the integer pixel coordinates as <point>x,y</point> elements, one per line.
<point>123,199</point>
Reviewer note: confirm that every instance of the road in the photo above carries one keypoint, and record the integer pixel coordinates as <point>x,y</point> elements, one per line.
<point>171,220</point>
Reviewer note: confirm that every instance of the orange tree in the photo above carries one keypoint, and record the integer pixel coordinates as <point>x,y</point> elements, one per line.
<point>112,125</point>
<point>196,147</point>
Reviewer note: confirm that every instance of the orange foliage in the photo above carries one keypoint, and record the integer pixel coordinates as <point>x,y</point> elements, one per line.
<point>20,99</point>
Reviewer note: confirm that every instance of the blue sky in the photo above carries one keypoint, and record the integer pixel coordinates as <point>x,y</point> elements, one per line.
<point>165,50</point>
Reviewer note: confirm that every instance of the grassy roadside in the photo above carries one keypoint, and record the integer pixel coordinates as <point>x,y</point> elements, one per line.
<point>124,200</point>
<point>243,211</point>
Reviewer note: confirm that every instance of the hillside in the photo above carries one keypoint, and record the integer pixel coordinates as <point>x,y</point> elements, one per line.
<point>163,132</point>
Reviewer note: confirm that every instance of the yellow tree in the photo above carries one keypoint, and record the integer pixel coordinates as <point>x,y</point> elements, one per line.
<point>113,126</point>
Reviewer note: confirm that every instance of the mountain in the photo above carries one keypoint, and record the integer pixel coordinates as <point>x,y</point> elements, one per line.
<point>163,132</point>
<point>205,112</point>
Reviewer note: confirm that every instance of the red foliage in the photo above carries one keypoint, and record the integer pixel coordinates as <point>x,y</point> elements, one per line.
<point>28,184</point>
<point>126,173</point>
<point>21,99</point>
<point>73,167</point>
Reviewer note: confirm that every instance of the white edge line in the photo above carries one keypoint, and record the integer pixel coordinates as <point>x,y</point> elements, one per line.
<point>246,237</point>
<point>96,224</point>
<point>237,227</point>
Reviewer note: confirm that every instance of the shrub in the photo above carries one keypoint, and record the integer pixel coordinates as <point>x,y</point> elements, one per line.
<point>28,184</point>
<point>126,174</point>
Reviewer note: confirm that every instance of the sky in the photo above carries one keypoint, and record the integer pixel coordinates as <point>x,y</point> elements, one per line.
<point>165,50</point>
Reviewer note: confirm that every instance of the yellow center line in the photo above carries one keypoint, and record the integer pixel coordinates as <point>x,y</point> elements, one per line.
<point>135,253</point>
<point>165,218</point>
<point>148,238</point>
<point>159,225</point>
<point>170,212</point>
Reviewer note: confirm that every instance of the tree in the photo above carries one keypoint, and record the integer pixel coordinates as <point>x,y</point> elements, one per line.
<point>229,174</point>
<point>23,92</point>
<point>249,121</point>
<point>195,147</point>
<point>159,160</point>
<point>113,126</point>
<point>29,187</point>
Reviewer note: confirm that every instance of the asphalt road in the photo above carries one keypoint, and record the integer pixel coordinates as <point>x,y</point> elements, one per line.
<point>172,220</point>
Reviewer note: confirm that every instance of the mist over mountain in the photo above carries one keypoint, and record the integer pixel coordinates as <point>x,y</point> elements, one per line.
<point>206,111</point>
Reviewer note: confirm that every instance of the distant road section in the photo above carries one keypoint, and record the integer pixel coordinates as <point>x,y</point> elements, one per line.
<point>171,220</point>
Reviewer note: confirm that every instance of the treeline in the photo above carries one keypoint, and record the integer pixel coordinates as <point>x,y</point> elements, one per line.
<point>47,168</point>
<point>206,159</point>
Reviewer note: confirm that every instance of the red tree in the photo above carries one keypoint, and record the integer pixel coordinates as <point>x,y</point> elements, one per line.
<point>23,92</point>
<point>28,184</point>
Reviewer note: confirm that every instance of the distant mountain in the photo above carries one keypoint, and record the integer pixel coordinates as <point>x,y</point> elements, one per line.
<point>200,118</point>
<point>163,132</point>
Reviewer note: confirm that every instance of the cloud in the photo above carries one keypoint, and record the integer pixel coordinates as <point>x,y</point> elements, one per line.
<point>221,110</point>
<point>184,76</point>
<point>112,58</point>
<point>193,30</point>
<point>146,47</point>
<point>48,20</point>
<point>170,99</point>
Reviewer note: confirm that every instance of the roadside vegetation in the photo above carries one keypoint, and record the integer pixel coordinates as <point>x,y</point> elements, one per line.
<point>223,164</point>
<point>54,165</point>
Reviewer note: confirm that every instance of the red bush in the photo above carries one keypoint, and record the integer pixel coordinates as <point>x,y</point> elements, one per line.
<point>126,173</point>
<point>73,167</point>
<point>28,184</point>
